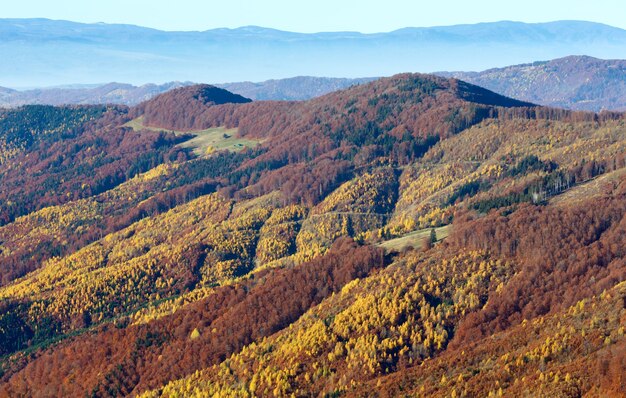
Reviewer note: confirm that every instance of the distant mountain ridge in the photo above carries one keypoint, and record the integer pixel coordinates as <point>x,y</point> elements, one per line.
<point>110,93</point>
<point>290,89</point>
<point>574,82</point>
<point>40,52</point>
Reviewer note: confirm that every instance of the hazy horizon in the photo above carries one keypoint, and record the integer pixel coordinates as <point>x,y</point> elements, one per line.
<point>366,16</point>
<point>272,28</point>
<point>44,52</point>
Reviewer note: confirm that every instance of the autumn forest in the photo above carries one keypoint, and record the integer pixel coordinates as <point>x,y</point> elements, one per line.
<point>410,236</point>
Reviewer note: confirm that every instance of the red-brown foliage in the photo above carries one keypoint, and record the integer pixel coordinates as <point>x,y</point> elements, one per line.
<point>117,362</point>
<point>563,254</point>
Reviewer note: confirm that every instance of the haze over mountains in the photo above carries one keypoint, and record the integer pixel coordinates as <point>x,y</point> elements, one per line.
<point>110,93</point>
<point>40,52</point>
<point>292,89</point>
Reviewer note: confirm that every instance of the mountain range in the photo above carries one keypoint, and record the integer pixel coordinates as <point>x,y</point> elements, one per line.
<point>573,82</point>
<point>414,235</point>
<point>40,52</point>
<point>290,89</point>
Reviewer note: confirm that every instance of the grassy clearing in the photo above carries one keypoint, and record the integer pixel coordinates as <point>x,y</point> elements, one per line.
<point>415,239</point>
<point>206,141</point>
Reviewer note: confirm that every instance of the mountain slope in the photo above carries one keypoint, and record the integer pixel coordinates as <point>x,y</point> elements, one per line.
<point>575,82</point>
<point>264,271</point>
<point>45,53</point>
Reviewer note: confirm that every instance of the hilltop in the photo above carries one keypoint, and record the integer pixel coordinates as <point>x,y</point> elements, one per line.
<point>449,240</point>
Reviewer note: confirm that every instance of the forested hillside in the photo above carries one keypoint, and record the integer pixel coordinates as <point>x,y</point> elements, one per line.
<point>573,82</point>
<point>415,236</point>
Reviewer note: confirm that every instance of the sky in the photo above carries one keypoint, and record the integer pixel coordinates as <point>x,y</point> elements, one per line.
<point>367,16</point>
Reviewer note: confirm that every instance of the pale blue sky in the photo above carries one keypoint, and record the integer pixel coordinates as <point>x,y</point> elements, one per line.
<point>314,16</point>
